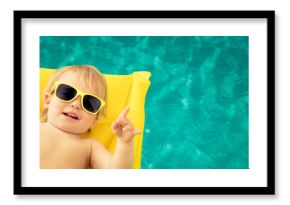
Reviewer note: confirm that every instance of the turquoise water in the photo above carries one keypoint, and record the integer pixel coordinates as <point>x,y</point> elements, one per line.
<point>197,104</point>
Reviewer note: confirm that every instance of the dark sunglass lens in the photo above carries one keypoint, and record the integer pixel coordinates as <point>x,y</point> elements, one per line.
<point>65,92</point>
<point>91,103</point>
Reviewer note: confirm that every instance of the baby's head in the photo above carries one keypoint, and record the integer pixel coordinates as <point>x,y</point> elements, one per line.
<point>74,98</point>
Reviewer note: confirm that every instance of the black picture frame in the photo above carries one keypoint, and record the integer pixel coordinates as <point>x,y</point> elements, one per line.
<point>19,189</point>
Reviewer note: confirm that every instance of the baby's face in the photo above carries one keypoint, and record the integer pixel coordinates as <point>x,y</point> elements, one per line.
<point>70,116</point>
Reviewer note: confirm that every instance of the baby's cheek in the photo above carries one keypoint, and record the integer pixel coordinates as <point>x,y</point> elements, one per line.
<point>57,105</point>
<point>53,109</point>
<point>89,120</point>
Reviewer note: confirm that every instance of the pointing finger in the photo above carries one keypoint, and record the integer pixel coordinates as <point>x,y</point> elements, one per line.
<point>123,114</point>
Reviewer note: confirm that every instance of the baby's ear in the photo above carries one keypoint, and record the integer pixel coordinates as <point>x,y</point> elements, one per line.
<point>46,101</point>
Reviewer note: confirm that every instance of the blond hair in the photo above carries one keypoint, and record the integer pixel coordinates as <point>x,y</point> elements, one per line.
<point>89,73</point>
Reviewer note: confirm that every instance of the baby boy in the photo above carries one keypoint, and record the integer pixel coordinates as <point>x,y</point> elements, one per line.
<point>74,100</point>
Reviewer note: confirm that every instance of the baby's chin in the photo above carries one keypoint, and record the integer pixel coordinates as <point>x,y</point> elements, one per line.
<point>73,131</point>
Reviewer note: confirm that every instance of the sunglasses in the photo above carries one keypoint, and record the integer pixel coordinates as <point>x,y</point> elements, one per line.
<point>67,93</point>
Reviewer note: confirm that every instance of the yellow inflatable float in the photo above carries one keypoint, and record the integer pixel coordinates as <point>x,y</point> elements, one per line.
<point>123,90</point>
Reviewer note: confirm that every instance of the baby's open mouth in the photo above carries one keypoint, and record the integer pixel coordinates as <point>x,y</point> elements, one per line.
<point>70,115</point>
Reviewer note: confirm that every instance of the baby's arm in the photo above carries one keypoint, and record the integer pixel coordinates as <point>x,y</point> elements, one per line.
<point>124,154</point>
<point>125,132</point>
<point>101,158</point>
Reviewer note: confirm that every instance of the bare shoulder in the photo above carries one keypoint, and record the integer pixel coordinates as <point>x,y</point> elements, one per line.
<point>100,156</point>
<point>92,142</point>
<point>43,127</point>
<point>45,133</point>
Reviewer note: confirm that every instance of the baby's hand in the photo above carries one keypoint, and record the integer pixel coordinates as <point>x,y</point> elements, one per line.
<point>123,127</point>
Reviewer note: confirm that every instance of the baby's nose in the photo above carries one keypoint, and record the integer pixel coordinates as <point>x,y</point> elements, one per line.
<point>76,103</point>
